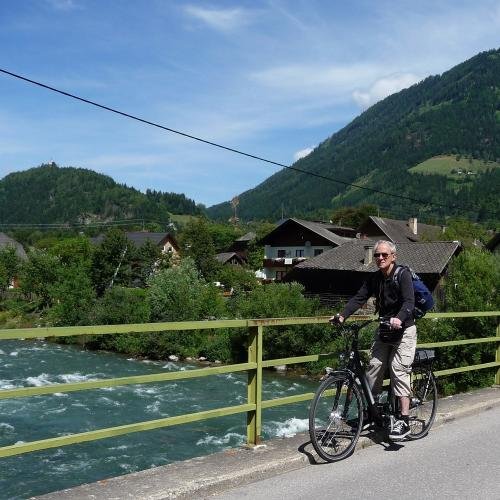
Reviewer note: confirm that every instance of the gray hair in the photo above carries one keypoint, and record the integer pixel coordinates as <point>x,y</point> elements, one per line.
<point>389,244</point>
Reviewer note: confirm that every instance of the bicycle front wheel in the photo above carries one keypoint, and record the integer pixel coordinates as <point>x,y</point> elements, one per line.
<point>423,403</point>
<point>336,417</point>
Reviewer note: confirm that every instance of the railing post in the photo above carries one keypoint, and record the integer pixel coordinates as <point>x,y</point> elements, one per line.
<point>497,358</point>
<point>254,418</point>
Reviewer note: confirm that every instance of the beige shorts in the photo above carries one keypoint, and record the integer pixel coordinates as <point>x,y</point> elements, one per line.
<point>399,357</point>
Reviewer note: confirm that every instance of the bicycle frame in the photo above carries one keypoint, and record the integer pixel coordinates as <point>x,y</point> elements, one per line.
<point>355,371</point>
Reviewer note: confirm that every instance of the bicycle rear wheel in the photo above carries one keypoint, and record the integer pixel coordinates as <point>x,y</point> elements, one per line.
<point>336,417</point>
<point>423,403</point>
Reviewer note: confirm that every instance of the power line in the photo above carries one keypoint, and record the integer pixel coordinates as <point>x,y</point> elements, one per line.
<point>81,225</point>
<point>237,151</point>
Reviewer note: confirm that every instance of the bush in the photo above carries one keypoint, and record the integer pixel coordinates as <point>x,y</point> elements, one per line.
<point>121,306</point>
<point>180,294</point>
<point>471,285</point>
<point>278,300</point>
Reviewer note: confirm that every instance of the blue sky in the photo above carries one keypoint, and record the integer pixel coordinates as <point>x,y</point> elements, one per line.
<point>272,78</point>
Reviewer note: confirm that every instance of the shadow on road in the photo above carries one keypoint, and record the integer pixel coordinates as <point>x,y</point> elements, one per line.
<point>313,459</point>
<point>377,437</point>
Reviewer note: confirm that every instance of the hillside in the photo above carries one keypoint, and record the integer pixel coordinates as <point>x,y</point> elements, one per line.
<point>51,194</point>
<point>454,114</point>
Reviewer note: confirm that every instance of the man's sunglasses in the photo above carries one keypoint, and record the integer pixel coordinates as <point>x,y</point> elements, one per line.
<point>383,255</point>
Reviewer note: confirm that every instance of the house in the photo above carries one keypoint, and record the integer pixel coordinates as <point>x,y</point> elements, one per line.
<point>398,231</point>
<point>337,274</point>
<point>165,241</point>
<point>6,242</point>
<point>232,258</point>
<point>241,244</point>
<point>295,240</point>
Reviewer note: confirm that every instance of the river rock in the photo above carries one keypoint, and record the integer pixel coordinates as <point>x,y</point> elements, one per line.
<point>280,368</point>
<point>173,357</point>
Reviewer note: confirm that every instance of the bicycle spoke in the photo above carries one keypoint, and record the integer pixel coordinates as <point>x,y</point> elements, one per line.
<point>423,403</point>
<point>335,418</point>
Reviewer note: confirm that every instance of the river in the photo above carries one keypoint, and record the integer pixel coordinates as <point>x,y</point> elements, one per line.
<point>36,363</point>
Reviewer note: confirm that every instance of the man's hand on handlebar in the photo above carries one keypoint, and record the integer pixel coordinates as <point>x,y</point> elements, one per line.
<point>337,319</point>
<point>395,323</point>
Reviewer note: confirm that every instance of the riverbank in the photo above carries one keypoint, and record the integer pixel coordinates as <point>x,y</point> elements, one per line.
<point>200,477</point>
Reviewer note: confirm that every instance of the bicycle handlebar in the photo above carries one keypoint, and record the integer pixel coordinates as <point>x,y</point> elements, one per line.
<point>356,327</point>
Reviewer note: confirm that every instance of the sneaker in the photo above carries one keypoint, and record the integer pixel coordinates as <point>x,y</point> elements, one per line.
<point>399,430</point>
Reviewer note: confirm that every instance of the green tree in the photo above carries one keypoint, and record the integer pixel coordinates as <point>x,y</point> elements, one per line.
<point>465,231</point>
<point>237,277</point>
<point>278,300</point>
<point>473,280</point>
<point>38,273</point>
<point>223,235</point>
<point>146,260</point>
<point>111,261</point>
<point>180,294</point>
<point>197,243</point>
<point>117,306</point>
<point>72,296</point>
<point>71,293</point>
<point>10,266</point>
<point>471,285</point>
<point>353,216</point>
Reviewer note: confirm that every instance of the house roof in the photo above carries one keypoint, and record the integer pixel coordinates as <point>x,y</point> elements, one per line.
<point>320,228</point>
<point>399,231</point>
<point>8,241</point>
<point>224,257</point>
<point>424,258</point>
<point>140,237</point>
<point>247,237</point>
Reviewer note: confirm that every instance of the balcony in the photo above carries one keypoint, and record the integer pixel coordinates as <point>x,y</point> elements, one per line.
<point>282,262</point>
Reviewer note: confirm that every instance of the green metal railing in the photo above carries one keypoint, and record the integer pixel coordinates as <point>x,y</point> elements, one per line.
<point>254,365</point>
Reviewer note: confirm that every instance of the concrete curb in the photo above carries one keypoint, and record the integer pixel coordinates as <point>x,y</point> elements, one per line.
<point>203,476</point>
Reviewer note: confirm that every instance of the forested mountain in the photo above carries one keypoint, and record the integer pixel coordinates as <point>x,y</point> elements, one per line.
<point>455,114</point>
<point>51,194</point>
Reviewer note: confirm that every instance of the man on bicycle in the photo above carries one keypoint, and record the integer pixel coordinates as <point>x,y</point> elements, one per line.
<point>393,346</point>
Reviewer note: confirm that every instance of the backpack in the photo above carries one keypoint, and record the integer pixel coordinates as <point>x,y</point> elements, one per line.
<point>423,298</point>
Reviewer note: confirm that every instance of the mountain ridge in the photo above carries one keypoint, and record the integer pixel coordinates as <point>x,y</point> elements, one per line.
<point>455,113</point>
<point>69,195</point>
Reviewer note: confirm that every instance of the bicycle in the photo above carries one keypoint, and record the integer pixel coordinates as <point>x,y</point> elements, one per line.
<point>344,400</point>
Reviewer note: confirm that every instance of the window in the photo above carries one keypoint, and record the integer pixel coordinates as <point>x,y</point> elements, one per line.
<point>281,254</point>
<point>299,253</point>
<point>318,251</point>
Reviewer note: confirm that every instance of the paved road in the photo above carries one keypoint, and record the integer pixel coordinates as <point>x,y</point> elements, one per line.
<point>458,460</point>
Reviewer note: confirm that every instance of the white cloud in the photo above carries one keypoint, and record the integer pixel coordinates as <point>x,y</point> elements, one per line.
<point>383,88</point>
<point>220,19</point>
<point>314,76</point>
<point>302,153</point>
